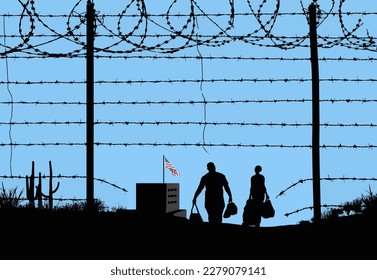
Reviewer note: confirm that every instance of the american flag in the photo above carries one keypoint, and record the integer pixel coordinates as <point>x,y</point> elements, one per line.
<point>169,166</point>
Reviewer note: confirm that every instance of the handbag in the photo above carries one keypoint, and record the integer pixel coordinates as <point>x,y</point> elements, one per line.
<point>195,218</point>
<point>231,209</point>
<point>268,210</point>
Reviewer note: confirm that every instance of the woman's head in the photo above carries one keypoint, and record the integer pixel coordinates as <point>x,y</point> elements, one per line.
<point>258,169</point>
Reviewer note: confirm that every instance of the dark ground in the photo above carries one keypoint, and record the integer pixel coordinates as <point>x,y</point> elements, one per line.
<point>126,236</point>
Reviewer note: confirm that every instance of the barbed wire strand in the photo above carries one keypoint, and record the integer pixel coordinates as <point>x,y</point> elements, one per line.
<point>189,102</point>
<point>212,145</point>
<point>19,177</point>
<point>175,81</point>
<point>199,123</point>
<point>301,181</point>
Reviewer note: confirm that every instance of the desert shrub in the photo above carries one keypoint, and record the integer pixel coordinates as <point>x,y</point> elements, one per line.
<point>332,213</point>
<point>11,198</point>
<point>118,208</point>
<point>81,206</point>
<point>369,202</point>
<point>365,204</point>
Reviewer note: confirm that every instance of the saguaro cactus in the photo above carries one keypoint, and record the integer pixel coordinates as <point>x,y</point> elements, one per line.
<point>30,187</point>
<point>51,191</point>
<point>38,194</point>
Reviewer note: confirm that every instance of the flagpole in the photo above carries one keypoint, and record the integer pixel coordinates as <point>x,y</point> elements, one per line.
<point>163,169</point>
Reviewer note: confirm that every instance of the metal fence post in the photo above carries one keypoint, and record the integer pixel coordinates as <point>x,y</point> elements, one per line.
<point>315,112</point>
<point>90,105</point>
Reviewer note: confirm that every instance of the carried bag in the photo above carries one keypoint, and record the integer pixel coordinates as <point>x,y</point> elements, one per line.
<point>250,213</point>
<point>268,210</point>
<point>231,209</point>
<point>195,218</point>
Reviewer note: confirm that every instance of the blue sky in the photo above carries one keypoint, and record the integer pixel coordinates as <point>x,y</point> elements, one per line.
<point>143,86</point>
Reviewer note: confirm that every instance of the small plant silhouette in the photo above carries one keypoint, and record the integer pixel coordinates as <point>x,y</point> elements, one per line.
<point>365,204</point>
<point>10,199</point>
<point>81,206</point>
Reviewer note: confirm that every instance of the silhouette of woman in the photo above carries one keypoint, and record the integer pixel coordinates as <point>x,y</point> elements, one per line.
<point>257,193</point>
<point>214,182</point>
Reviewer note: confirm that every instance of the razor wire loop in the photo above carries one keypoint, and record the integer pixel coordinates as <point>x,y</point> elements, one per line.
<point>177,38</point>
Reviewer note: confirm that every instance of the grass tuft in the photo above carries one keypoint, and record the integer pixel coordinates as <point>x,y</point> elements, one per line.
<point>10,199</point>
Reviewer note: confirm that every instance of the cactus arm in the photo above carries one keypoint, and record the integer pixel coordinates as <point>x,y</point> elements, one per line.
<point>32,177</point>
<point>45,196</point>
<point>56,189</point>
<point>27,188</point>
<point>51,190</point>
<point>30,186</point>
<point>39,191</point>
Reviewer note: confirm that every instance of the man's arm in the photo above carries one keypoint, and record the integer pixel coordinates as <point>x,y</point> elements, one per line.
<point>251,185</point>
<point>198,191</point>
<point>227,189</point>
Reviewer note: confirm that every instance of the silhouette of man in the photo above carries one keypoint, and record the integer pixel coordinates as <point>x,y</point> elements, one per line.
<point>214,182</point>
<point>257,192</point>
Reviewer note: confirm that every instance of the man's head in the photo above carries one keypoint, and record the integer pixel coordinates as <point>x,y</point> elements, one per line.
<point>211,167</point>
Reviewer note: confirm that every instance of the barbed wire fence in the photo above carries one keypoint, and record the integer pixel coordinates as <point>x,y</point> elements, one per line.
<point>178,33</point>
